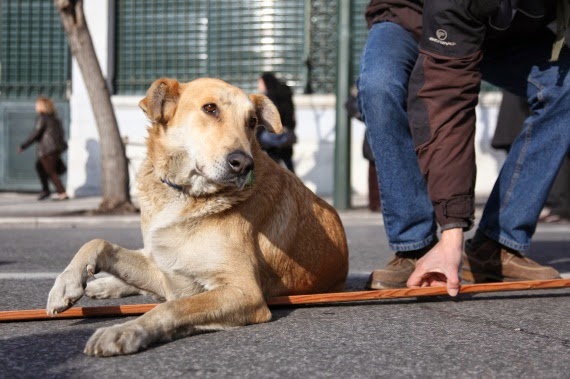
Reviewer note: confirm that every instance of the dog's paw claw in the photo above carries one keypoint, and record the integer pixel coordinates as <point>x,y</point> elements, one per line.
<point>117,340</point>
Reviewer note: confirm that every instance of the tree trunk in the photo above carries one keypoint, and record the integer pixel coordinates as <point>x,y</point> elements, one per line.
<point>114,166</point>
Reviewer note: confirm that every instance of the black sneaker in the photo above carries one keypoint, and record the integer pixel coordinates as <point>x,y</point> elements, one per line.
<point>43,195</point>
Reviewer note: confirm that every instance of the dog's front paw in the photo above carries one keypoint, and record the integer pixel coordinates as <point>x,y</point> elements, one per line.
<point>121,339</point>
<point>66,291</point>
<point>110,287</point>
<point>102,288</point>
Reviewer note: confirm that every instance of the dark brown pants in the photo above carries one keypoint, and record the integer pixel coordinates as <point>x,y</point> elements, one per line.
<point>46,168</point>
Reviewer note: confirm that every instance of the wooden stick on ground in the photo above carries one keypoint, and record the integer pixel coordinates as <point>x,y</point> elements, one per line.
<point>340,297</point>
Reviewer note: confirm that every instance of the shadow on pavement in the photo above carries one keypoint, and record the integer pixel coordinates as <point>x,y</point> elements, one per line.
<point>39,355</point>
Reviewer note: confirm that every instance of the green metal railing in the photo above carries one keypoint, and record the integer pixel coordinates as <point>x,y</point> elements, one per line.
<point>232,40</point>
<point>34,57</point>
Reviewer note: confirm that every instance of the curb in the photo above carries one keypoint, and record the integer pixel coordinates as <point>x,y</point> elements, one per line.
<point>68,221</point>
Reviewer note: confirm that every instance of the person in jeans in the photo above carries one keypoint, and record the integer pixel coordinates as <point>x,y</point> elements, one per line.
<point>49,136</point>
<point>512,113</point>
<point>418,87</point>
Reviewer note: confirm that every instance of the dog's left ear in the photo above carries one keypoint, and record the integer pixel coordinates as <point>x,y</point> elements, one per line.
<point>267,113</point>
<point>161,100</point>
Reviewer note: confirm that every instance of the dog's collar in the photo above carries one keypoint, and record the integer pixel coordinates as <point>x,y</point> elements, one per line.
<point>172,185</point>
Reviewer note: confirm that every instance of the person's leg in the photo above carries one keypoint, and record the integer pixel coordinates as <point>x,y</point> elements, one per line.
<point>558,200</point>
<point>49,163</point>
<point>387,61</point>
<point>511,212</point>
<point>42,174</point>
<point>287,156</point>
<point>273,154</point>
<point>373,188</point>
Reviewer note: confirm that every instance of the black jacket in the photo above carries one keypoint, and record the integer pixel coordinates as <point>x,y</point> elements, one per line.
<point>49,135</point>
<point>444,88</point>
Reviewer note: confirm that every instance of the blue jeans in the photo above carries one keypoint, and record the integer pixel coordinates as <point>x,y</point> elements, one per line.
<point>387,62</point>
<point>512,210</point>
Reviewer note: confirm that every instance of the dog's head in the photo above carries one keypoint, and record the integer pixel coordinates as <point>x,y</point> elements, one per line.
<point>203,132</point>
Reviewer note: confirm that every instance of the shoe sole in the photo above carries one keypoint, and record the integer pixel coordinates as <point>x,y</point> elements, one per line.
<point>384,286</point>
<point>486,278</point>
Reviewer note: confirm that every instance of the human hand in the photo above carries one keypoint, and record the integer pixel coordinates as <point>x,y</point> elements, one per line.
<point>20,150</point>
<point>440,266</point>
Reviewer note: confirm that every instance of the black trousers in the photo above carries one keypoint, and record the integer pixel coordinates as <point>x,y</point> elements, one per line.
<point>46,167</point>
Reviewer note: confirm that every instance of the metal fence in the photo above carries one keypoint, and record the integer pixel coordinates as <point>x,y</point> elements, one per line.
<point>232,40</point>
<point>34,57</point>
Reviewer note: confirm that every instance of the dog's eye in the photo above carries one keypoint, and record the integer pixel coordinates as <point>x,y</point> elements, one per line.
<point>210,109</point>
<point>252,122</point>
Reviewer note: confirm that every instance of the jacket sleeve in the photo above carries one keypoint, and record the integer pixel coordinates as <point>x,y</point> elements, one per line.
<point>36,135</point>
<point>443,94</point>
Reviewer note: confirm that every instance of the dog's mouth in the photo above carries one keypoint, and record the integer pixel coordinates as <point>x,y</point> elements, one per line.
<point>245,180</point>
<point>239,181</point>
<point>229,179</point>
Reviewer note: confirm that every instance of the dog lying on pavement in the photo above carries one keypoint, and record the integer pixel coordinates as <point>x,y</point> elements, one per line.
<point>224,227</point>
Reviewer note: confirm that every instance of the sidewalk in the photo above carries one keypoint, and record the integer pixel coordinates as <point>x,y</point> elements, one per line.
<point>19,209</point>
<point>23,209</point>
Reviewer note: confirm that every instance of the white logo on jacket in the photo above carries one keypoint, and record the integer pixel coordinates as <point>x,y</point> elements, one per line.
<point>441,35</point>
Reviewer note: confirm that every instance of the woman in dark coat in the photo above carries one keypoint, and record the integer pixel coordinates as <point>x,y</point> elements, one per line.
<point>282,96</point>
<point>49,136</point>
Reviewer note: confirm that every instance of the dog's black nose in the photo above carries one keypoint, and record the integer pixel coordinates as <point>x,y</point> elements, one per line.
<point>240,162</point>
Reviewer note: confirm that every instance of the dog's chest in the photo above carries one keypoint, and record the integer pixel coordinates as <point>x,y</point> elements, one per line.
<point>192,257</point>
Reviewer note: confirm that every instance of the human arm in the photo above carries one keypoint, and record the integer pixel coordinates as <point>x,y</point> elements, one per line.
<point>36,134</point>
<point>443,94</point>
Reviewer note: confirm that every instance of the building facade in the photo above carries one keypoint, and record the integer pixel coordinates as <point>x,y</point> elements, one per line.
<point>138,41</point>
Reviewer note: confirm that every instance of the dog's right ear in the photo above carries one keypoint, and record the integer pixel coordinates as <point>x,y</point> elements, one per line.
<point>161,100</point>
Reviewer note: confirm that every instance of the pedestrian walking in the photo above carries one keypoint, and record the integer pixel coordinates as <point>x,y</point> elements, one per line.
<point>48,134</point>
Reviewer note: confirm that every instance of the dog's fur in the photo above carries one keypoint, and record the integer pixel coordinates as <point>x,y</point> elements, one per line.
<point>219,237</point>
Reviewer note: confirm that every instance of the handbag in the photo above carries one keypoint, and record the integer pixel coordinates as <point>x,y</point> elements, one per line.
<point>60,167</point>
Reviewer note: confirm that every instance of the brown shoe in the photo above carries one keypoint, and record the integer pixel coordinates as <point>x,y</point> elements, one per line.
<point>397,271</point>
<point>486,260</point>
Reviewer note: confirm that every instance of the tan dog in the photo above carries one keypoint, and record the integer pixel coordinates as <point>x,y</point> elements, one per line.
<point>224,227</point>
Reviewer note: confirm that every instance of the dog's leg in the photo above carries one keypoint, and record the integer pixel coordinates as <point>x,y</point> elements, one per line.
<point>221,308</point>
<point>111,287</point>
<point>100,255</point>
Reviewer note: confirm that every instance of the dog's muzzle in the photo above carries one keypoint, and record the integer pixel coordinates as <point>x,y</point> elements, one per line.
<point>240,163</point>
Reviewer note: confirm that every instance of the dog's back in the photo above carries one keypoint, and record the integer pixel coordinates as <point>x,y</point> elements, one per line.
<point>302,243</point>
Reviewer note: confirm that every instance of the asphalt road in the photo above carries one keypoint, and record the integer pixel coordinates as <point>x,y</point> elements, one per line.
<point>505,335</point>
